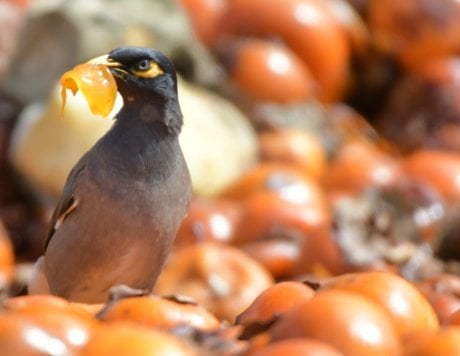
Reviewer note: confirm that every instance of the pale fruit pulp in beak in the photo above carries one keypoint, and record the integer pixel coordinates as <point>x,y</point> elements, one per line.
<point>96,83</point>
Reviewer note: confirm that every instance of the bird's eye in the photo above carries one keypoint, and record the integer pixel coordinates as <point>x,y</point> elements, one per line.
<point>143,65</point>
<point>146,69</point>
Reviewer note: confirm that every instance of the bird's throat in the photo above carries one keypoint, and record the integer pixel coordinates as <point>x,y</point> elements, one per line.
<point>163,116</point>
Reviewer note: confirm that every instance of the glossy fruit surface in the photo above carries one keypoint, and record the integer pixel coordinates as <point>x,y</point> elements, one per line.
<point>297,347</point>
<point>211,220</point>
<point>221,278</point>
<point>264,176</point>
<point>408,309</point>
<point>6,256</point>
<point>347,321</point>
<point>204,16</point>
<point>271,72</point>
<point>307,27</point>
<point>444,342</point>
<point>416,31</point>
<point>160,313</point>
<point>440,169</point>
<point>294,147</point>
<point>359,165</point>
<point>275,301</point>
<point>124,338</point>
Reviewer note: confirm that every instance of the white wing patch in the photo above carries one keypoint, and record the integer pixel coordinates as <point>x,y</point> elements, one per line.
<point>65,214</point>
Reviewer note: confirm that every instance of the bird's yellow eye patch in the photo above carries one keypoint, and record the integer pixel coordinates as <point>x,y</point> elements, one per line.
<point>152,71</point>
<point>96,84</point>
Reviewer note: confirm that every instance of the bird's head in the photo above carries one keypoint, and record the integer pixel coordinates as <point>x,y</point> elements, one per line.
<point>147,81</point>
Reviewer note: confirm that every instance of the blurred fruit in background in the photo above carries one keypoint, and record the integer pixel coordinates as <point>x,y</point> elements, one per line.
<point>322,138</point>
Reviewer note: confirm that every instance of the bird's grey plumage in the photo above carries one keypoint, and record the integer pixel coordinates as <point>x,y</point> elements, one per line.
<point>124,200</point>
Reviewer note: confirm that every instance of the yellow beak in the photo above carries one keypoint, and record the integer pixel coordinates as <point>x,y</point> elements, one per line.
<point>110,64</point>
<point>104,60</point>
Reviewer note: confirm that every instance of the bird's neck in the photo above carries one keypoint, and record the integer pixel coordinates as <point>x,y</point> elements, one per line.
<point>135,149</point>
<point>160,113</point>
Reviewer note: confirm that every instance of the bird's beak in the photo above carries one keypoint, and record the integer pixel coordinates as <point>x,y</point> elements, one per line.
<point>104,59</point>
<point>115,67</point>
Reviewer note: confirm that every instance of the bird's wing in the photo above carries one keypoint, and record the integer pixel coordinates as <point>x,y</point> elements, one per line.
<point>67,203</point>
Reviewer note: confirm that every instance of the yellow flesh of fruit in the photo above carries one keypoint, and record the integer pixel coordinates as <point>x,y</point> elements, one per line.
<point>96,84</point>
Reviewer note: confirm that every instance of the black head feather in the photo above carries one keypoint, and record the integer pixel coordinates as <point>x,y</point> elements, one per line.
<point>147,81</point>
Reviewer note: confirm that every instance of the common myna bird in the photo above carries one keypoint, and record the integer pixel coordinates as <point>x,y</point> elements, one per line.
<point>125,199</point>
